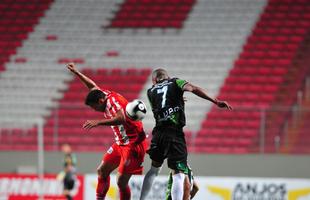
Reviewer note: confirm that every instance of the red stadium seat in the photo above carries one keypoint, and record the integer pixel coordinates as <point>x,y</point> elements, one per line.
<point>258,78</point>
<point>152,14</point>
<point>21,25</point>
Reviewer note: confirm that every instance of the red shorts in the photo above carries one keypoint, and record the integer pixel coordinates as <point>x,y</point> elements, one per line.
<point>129,158</point>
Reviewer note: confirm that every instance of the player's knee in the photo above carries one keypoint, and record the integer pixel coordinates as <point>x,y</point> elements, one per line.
<point>154,171</point>
<point>156,164</point>
<point>121,183</point>
<point>101,173</point>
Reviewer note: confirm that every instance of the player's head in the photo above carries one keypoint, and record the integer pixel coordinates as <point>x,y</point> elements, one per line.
<point>66,148</point>
<point>96,99</point>
<point>159,75</point>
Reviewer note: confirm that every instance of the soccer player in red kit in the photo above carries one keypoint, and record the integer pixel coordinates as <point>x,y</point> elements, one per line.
<point>127,153</point>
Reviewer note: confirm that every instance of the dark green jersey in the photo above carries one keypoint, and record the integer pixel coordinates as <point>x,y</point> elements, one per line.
<point>166,99</point>
<point>70,159</point>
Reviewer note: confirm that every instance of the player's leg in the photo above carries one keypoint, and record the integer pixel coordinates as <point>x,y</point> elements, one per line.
<point>157,156</point>
<point>177,189</point>
<point>149,179</point>
<point>110,162</point>
<point>177,162</point>
<point>104,170</point>
<point>132,157</point>
<point>169,186</point>
<point>187,188</point>
<point>122,183</point>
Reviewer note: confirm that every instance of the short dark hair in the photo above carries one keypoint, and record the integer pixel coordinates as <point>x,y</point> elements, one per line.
<point>93,97</point>
<point>159,75</point>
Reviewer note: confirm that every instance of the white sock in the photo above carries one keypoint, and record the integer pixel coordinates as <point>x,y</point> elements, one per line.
<point>148,181</point>
<point>177,186</point>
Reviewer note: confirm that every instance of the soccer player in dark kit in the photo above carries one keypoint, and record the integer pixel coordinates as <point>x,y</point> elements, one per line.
<point>69,180</point>
<point>167,102</point>
<point>127,152</point>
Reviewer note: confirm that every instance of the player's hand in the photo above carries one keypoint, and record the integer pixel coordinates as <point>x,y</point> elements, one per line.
<point>89,124</point>
<point>71,67</point>
<point>223,104</point>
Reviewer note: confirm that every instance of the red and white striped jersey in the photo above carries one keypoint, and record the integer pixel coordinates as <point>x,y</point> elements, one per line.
<point>125,133</point>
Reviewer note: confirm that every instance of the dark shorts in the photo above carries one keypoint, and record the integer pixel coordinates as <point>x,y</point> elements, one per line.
<point>69,181</point>
<point>169,143</point>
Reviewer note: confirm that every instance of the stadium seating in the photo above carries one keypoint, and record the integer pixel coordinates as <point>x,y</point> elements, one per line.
<point>262,78</point>
<point>17,20</point>
<point>295,138</point>
<point>152,14</point>
<point>301,144</point>
<point>204,42</point>
<point>301,140</point>
<point>67,118</point>
<point>202,48</point>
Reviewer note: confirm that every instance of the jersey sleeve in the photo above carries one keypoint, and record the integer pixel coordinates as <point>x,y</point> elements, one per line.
<point>180,82</point>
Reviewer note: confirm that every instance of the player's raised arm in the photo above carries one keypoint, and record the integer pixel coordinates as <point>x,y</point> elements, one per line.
<point>90,84</point>
<point>117,120</point>
<point>203,94</point>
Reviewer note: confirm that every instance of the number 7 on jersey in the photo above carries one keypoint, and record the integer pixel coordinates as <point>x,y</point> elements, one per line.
<point>164,91</point>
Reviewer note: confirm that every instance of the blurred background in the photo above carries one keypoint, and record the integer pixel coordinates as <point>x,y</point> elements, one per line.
<point>255,54</point>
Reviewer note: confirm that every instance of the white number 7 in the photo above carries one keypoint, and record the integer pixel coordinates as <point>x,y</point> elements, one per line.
<point>164,91</point>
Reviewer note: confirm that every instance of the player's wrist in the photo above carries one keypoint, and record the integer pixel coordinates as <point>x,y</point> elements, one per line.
<point>216,101</point>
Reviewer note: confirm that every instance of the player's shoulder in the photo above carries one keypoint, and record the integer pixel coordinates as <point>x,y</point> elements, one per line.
<point>150,90</point>
<point>117,97</point>
<point>105,91</point>
<point>111,96</point>
<point>179,82</point>
<point>175,79</point>
<point>110,93</point>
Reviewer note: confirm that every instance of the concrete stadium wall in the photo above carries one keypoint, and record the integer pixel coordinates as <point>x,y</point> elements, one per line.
<point>255,165</point>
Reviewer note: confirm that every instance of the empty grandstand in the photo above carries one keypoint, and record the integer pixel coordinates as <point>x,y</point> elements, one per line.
<point>250,53</point>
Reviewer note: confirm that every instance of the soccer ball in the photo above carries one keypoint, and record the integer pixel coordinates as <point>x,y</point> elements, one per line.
<point>136,110</point>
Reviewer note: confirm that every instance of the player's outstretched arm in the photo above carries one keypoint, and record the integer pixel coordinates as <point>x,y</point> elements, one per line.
<point>90,84</point>
<point>203,94</point>
<point>117,120</point>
